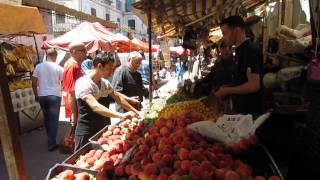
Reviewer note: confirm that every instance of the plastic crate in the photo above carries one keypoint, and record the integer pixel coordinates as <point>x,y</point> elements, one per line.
<point>261,161</point>
<point>58,168</point>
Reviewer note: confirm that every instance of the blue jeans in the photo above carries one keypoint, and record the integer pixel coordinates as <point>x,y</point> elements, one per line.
<point>50,106</point>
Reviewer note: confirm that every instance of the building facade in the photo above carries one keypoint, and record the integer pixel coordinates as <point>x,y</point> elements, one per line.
<point>118,11</point>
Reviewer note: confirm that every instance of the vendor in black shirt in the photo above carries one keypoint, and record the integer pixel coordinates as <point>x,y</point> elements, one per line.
<point>127,80</point>
<point>246,72</point>
<point>90,91</point>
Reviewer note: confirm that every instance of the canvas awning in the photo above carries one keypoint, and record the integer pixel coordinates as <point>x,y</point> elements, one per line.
<point>20,20</point>
<point>94,35</point>
<point>133,45</point>
<point>171,17</point>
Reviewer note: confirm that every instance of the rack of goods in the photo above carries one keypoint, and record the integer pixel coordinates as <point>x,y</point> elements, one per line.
<point>19,67</point>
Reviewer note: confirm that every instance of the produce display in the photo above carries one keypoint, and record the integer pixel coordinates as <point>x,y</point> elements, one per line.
<point>162,147</point>
<point>177,98</point>
<point>169,150</point>
<point>17,58</point>
<point>97,160</point>
<point>192,107</point>
<point>20,84</point>
<point>118,139</point>
<point>70,175</point>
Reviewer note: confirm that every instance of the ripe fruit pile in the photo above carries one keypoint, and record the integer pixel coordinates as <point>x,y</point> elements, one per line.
<point>70,175</point>
<point>193,107</point>
<point>118,139</point>
<point>171,151</point>
<point>98,160</point>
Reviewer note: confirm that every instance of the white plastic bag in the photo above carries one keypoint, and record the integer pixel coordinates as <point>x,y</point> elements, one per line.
<point>229,129</point>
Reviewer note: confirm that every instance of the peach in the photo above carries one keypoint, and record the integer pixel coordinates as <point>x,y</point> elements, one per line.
<point>166,170</point>
<point>183,154</point>
<point>274,178</point>
<point>219,174</point>
<point>260,178</point>
<point>167,158</point>
<point>243,172</point>
<point>232,175</point>
<point>174,177</point>
<point>206,176</point>
<point>67,174</point>
<point>194,172</point>
<point>162,177</point>
<point>177,164</point>
<point>206,166</point>
<point>185,165</point>
<point>82,176</point>
<point>119,170</point>
<point>151,168</point>
<point>156,157</point>
<point>194,154</point>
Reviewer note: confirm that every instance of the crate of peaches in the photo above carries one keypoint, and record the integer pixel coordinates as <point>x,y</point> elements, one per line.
<point>121,137</point>
<point>92,157</point>
<point>64,171</point>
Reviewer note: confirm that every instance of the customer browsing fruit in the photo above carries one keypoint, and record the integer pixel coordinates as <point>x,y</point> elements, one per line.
<point>89,91</point>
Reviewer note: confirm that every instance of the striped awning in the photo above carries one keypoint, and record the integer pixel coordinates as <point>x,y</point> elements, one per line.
<point>171,17</point>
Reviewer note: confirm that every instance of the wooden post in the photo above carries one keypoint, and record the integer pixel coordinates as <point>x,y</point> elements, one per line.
<point>9,130</point>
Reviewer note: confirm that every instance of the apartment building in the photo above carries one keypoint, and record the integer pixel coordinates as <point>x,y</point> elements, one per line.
<point>118,11</point>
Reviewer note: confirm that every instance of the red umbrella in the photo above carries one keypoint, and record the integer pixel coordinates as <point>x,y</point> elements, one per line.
<point>94,35</point>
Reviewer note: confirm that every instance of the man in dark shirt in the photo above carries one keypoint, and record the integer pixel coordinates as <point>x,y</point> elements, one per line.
<point>246,72</point>
<point>127,80</point>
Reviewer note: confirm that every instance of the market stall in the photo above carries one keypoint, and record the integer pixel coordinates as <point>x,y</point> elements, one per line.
<point>16,62</point>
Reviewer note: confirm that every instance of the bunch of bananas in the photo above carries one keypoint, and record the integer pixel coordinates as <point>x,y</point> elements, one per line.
<point>17,58</point>
<point>20,84</point>
<point>192,107</point>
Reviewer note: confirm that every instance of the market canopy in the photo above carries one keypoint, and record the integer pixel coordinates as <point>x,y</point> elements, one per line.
<point>133,45</point>
<point>94,35</point>
<point>171,17</point>
<point>20,20</point>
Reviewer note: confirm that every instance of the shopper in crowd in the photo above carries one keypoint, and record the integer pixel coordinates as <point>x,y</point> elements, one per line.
<point>89,91</point>
<point>46,84</point>
<point>72,72</point>
<point>86,65</point>
<point>179,70</point>
<point>246,88</point>
<point>128,81</point>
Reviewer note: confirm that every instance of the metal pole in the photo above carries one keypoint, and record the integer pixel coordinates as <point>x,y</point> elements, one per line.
<point>150,53</point>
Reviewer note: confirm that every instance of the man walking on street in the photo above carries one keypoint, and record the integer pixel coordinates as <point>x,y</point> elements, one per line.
<point>72,72</point>
<point>46,84</point>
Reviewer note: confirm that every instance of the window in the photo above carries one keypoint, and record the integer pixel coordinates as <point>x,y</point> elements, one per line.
<point>108,2</point>
<point>60,18</point>
<point>132,24</point>
<point>118,20</point>
<point>119,4</point>
<point>93,12</point>
<point>129,5</point>
<point>107,17</point>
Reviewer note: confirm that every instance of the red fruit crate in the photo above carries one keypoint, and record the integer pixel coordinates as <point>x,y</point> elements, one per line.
<point>261,161</point>
<point>58,168</point>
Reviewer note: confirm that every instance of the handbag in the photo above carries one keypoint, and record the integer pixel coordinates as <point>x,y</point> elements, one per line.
<point>66,145</point>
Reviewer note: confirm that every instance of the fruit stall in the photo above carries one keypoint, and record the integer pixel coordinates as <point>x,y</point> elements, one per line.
<point>165,144</point>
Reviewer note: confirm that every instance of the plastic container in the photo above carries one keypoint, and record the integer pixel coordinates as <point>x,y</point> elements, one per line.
<point>261,161</point>
<point>58,168</point>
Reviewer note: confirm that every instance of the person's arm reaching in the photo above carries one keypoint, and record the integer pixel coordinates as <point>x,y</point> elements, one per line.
<point>120,99</point>
<point>104,111</point>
